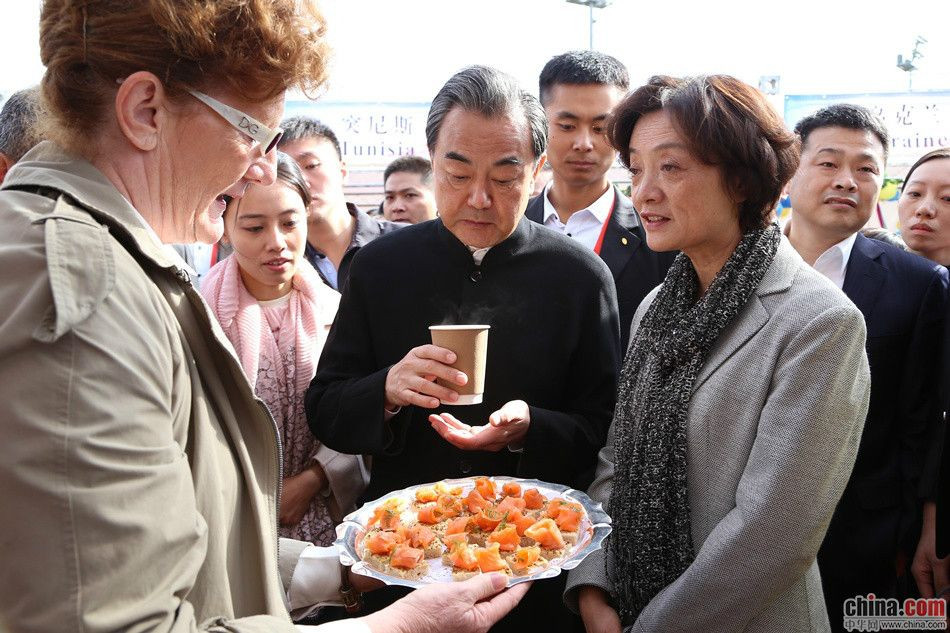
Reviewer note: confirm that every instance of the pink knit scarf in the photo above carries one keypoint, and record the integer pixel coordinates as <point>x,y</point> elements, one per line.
<point>312,308</point>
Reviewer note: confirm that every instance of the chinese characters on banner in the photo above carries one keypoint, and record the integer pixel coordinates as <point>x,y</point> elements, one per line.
<point>917,121</point>
<point>371,134</point>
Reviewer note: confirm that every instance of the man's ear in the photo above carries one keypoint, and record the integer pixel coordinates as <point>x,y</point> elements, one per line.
<point>5,165</point>
<point>140,109</point>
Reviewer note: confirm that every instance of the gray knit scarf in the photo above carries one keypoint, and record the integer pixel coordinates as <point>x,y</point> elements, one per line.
<point>651,544</point>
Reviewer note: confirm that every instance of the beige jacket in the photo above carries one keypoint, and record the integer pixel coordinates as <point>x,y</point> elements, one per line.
<point>139,475</point>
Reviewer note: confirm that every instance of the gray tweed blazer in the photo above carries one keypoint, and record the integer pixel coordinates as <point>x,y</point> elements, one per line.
<point>772,434</point>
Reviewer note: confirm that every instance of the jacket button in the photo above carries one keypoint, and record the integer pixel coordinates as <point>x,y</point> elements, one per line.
<point>465,467</point>
<point>475,276</point>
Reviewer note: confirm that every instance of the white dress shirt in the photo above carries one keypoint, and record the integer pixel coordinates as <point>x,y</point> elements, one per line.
<point>584,225</point>
<point>833,263</point>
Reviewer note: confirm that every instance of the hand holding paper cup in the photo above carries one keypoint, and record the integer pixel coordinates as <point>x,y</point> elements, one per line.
<point>470,344</point>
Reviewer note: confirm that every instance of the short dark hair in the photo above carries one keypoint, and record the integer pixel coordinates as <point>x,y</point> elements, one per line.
<point>940,153</point>
<point>579,68</point>
<point>297,128</point>
<point>726,123</point>
<point>846,115</point>
<point>18,118</point>
<point>411,164</point>
<point>490,93</point>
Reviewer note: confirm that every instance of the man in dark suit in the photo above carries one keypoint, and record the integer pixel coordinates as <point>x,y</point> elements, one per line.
<point>874,531</point>
<point>578,91</point>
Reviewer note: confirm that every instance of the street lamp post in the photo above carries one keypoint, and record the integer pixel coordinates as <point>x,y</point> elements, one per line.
<point>591,5</point>
<point>909,65</point>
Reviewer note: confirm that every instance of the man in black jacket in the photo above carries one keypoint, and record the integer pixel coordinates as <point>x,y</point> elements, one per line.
<point>336,229</point>
<point>553,348</point>
<point>578,91</point>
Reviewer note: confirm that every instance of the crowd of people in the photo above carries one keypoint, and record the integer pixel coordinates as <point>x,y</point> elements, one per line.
<point>209,356</point>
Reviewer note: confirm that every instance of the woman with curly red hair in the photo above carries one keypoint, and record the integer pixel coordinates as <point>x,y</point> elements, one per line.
<point>140,476</point>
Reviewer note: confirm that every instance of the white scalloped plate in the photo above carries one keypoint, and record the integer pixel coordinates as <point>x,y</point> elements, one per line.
<point>594,528</point>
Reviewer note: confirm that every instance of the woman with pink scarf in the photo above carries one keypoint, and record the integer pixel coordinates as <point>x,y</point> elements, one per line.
<point>276,311</point>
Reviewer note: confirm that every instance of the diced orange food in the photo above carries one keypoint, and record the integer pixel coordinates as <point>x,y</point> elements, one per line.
<point>475,502</point>
<point>462,556</point>
<point>427,494</point>
<point>506,537</point>
<point>546,533</point>
<point>381,543</point>
<point>512,489</point>
<point>420,536</point>
<point>485,487</point>
<point>569,517</point>
<point>402,533</point>
<point>510,503</point>
<point>533,499</point>
<point>448,506</point>
<point>458,526</point>
<point>384,517</point>
<point>525,557</point>
<point>429,514</point>
<point>489,558</point>
<point>554,506</point>
<point>522,523</point>
<point>405,557</point>
<point>488,519</point>
<point>456,538</point>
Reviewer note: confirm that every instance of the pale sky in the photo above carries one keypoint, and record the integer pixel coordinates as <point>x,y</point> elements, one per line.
<point>402,51</point>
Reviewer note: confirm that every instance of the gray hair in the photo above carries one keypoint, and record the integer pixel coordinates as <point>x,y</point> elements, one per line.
<point>18,123</point>
<point>490,93</point>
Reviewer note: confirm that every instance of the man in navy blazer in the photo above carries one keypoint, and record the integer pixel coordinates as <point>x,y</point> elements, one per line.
<point>874,531</point>
<point>578,90</point>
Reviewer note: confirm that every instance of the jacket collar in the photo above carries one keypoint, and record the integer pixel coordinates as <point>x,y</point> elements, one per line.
<point>48,165</point>
<point>777,279</point>
<point>865,274</point>
<point>623,236</point>
<point>367,229</point>
<point>781,274</point>
<point>513,244</point>
<point>599,208</point>
<point>624,214</point>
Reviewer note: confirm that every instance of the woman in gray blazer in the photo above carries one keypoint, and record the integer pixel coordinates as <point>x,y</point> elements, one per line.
<point>743,391</point>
